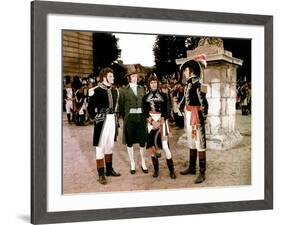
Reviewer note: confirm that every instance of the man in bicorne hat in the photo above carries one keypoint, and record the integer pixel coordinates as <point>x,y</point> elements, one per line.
<point>134,123</point>
<point>196,110</point>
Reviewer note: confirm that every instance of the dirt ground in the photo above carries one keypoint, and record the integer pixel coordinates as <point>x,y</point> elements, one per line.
<point>224,168</point>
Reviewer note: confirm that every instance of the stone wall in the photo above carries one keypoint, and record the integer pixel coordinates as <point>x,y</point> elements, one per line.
<point>220,77</point>
<point>77,53</point>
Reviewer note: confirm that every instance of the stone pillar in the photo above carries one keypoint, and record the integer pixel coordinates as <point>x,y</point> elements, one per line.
<point>220,77</point>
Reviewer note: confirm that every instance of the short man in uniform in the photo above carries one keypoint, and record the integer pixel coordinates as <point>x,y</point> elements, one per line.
<point>156,109</point>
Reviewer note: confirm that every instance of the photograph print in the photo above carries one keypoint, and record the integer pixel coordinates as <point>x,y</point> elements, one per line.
<point>154,112</point>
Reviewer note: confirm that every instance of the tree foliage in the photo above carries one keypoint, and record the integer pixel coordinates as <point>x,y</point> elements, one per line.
<point>166,50</point>
<point>105,51</point>
<point>192,42</point>
<point>119,72</point>
<point>240,48</point>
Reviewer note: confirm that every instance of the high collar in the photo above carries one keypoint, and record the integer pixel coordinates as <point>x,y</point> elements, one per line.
<point>133,85</point>
<point>193,79</point>
<point>104,86</point>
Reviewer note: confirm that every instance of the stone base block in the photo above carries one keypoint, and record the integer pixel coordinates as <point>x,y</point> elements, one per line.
<point>222,141</point>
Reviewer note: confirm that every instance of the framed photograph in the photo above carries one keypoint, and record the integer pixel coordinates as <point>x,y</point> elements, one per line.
<point>94,156</point>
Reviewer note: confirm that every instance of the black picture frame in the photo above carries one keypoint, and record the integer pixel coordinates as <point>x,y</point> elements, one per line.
<point>39,12</point>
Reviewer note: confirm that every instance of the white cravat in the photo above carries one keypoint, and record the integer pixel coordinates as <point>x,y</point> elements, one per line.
<point>134,88</point>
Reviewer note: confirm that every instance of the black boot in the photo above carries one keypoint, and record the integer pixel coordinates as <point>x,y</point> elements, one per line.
<point>171,168</point>
<point>76,119</point>
<point>155,163</point>
<point>101,179</point>
<point>109,170</point>
<point>81,119</point>
<point>68,118</point>
<point>73,118</point>
<point>100,168</point>
<point>192,163</point>
<point>202,164</point>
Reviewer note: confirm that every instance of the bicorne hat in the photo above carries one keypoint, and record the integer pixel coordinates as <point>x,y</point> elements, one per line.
<point>196,64</point>
<point>152,77</point>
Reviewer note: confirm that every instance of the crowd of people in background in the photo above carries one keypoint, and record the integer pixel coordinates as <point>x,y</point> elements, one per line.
<point>77,91</point>
<point>244,96</point>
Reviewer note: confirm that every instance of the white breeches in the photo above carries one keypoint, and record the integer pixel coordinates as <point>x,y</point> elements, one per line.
<point>165,131</point>
<point>68,106</point>
<point>165,148</point>
<point>106,141</point>
<point>192,142</point>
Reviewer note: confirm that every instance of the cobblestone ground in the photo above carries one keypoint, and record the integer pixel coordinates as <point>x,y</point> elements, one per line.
<point>224,168</point>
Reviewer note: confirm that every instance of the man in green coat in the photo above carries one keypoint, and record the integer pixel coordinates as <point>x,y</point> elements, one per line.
<point>134,122</point>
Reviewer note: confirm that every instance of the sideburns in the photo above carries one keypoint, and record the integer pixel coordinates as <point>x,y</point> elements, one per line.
<point>107,80</point>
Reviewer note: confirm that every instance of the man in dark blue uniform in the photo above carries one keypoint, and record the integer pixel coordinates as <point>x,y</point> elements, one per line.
<point>102,108</point>
<point>156,109</point>
<point>196,110</point>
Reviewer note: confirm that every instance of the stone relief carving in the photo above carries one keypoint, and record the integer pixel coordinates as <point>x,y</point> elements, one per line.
<point>210,41</point>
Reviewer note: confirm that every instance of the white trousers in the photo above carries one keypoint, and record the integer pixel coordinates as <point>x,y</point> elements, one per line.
<point>106,141</point>
<point>68,106</point>
<point>164,139</point>
<point>165,147</point>
<point>192,142</point>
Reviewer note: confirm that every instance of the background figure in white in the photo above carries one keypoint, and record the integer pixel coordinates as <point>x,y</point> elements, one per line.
<point>69,103</point>
<point>68,94</point>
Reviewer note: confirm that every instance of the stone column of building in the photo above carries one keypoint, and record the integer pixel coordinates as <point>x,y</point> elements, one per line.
<point>220,77</point>
<point>77,53</point>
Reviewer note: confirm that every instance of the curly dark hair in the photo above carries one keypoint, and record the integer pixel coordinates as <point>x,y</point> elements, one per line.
<point>104,72</point>
<point>152,77</point>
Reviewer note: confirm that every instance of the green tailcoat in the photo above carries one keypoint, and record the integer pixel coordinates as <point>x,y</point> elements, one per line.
<point>127,101</point>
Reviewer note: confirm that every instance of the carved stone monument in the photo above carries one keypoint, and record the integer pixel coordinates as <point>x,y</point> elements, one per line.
<point>220,77</point>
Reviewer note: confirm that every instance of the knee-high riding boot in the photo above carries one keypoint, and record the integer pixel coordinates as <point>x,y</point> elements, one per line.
<point>109,170</point>
<point>100,168</point>
<point>170,164</point>
<point>192,163</point>
<point>202,165</point>
<point>68,117</point>
<point>155,163</point>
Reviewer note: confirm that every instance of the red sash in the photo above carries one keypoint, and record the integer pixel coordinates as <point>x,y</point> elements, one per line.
<point>194,118</point>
